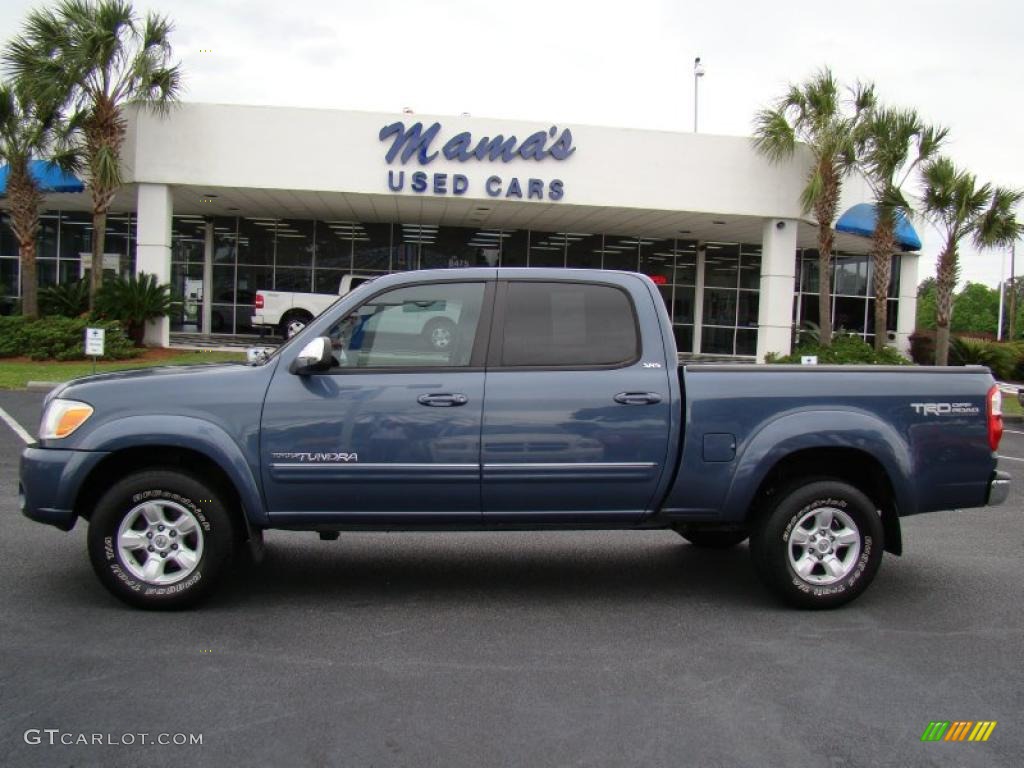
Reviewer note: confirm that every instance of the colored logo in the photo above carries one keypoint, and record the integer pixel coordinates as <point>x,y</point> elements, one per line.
<point>958,730</point>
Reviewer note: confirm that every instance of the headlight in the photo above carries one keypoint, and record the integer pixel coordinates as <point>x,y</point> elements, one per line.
<point>62,417</point>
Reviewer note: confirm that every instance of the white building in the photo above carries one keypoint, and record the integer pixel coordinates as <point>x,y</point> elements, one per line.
<point>225,200</point>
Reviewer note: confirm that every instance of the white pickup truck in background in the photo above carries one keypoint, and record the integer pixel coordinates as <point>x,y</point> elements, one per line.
<point>287,313</point>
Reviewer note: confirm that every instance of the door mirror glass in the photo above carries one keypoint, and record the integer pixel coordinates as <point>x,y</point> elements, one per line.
<point>315,356</point>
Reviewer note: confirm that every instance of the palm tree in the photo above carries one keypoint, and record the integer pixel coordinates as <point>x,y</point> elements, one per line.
<point>892,143</point>
<point>814,113</point>
<point>29,132</point>
<point>96,57</point>
<point>959,208</point>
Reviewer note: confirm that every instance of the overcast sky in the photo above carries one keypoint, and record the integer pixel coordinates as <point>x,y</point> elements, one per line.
<point>620,63</point>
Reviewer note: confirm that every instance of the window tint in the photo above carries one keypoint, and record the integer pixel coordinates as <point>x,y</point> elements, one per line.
<point>420,326</point>
<point>568,324</point>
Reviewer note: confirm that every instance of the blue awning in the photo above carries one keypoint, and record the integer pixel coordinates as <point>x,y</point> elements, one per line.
<point>48,176</point>
<point>860,220</point>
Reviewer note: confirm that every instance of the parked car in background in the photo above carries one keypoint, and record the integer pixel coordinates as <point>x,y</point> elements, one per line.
<point>287,313</point>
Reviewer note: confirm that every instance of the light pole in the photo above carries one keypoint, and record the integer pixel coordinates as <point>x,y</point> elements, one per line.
<point>698,73</point>
<point>1013,291</point>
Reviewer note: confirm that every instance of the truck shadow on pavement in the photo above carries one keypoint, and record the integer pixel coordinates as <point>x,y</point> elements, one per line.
<point>456,568</point>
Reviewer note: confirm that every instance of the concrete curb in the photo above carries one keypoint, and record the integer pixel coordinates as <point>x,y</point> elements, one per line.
<point>42,386</point>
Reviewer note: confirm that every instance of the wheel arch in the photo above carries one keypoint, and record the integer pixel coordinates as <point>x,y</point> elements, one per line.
<point>195,445</point>
<point>850,465</point>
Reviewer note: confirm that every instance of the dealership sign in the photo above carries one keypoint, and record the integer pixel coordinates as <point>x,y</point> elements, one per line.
<point>420,145</point>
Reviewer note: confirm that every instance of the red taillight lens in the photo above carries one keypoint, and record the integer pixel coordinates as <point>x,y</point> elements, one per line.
<point>995,417</point>
<point>259,301</point>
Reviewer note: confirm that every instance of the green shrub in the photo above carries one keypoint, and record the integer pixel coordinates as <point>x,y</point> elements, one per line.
<point>133,300</point>
<point>66,299</point>
<point>845,350</point>
<point>60,338</point>
<point>1001,357</point>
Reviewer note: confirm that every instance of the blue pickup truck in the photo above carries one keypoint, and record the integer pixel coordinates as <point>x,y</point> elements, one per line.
<point>556,403</point>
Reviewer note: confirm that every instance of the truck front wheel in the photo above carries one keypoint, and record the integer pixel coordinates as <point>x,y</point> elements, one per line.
<point>820,545</point>
<point>160,539</point>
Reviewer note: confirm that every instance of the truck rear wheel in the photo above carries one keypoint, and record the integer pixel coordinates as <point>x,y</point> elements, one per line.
<point>821,544</point>
<point>711,539</point>
<point>160,539</point>
<point>293,322</point>
<point>440,334</point>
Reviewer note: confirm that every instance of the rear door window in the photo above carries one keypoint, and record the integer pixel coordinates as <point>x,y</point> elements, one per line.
<point>561,324</point>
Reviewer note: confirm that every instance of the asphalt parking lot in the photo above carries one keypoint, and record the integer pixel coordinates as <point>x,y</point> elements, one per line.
<point>589,649</point>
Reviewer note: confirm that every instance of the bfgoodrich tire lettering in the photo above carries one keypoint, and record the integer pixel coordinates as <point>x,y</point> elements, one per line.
<point>160,539</point>
<point>821,544</point>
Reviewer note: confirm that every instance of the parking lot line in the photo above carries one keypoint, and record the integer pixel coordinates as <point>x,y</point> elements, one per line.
<point>18,429</point>
<point>1013,431</point>
<point>1010,458</point>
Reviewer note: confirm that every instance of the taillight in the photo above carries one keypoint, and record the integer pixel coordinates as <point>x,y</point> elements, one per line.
<point>259,301</point>
<point>995,417</point>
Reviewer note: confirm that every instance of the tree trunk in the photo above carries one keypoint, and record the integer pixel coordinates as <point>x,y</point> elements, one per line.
<point>25,201</point>
<point>945,284</point>
<point>99,232</point>
<point>104,136</point>
<point>882,248</point>
<point>942,345</point>
<point>825,212</point>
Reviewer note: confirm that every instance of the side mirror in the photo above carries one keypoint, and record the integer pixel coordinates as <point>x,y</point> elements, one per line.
<point>315,356</point>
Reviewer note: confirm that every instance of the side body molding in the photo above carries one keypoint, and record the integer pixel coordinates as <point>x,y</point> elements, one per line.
<point>820,429</point>
<point>194,434</point>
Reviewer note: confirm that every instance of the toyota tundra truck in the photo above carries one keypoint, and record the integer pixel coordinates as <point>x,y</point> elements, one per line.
<point>558,404</point>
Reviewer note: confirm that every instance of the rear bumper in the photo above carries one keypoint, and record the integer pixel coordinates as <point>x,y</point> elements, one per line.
<point>998,488</point>
<point>50,480</point>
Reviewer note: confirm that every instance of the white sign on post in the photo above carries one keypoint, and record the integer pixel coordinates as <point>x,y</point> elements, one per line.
<point>808,360</point>
<point>94,339</point>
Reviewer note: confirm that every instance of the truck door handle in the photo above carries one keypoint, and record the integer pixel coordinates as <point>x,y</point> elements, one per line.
<point>443,400</point>
<point>637,398</point>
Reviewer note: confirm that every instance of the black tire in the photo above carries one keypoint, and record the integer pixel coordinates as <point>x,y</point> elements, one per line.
<point>208,531</point>
<point>777,548</point>
<point>711,539</point>
<point>440,334</point>
<point>290,317</point>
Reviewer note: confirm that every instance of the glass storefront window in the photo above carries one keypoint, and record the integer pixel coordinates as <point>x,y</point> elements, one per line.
<point>8,279</point>
<point>583,251</point>
<point>8,242</point>
<point>292,279</point>
<point>514,247</point>
<point>294,244</point>
<point>450,248</point>
<point>327,280</point>
<point>547,249</point>
<point>334,244</point>
<point>371,248</point>
<point>255,240</point>
<point>621,253</point>
<point>721,265</point>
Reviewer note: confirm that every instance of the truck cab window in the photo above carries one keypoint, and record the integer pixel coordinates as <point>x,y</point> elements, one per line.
<point>568,324</point>
<point>424,326</point>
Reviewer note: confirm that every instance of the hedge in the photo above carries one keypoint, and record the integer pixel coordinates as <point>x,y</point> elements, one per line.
<point>60,338</point>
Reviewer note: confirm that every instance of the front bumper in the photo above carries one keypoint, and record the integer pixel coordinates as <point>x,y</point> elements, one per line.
<point>998,488</point>
<point>50,480</point>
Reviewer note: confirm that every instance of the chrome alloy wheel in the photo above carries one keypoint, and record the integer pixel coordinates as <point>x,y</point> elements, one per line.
<point>160,542</point>
<point>824,546</point>
<point>293,327</point>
